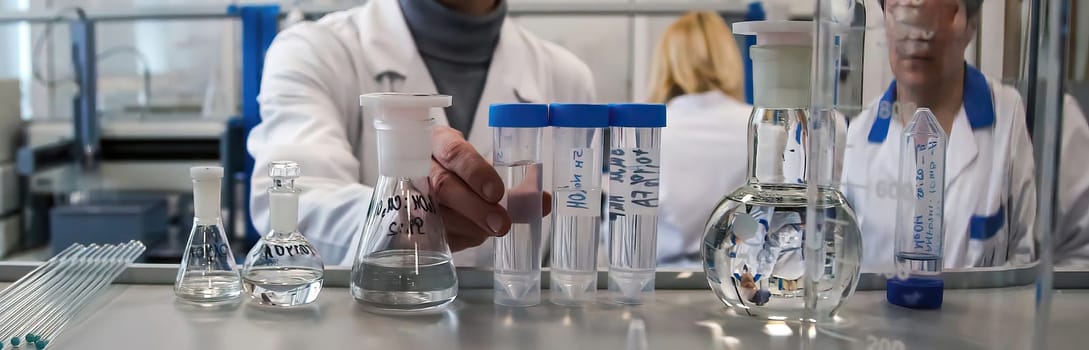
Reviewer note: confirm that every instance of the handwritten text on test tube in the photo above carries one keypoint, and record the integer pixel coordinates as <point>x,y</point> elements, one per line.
<point>924,232</point>
<point>633,175</point>
<point>577,197</point>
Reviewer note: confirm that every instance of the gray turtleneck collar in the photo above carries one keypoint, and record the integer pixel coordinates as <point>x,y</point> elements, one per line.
<point>451,35</point>
<point>457,49</point>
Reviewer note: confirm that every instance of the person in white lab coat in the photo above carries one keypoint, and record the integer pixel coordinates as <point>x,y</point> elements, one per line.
<point>990,193</point>
<point>315,72</point>
<point>1071,234</point>
<point>697,71</point>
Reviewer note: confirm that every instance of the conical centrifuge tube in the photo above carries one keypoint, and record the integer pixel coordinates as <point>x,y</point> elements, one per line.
<point>283,268</point>
<point>919,215</point>
<point>634,175</point>
<point>516,153</point>
<point>403,263</point>
<point>577,131</point>
<point>207,273</point>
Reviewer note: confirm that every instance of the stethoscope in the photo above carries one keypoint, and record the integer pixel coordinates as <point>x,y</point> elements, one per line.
<point>389,80</point>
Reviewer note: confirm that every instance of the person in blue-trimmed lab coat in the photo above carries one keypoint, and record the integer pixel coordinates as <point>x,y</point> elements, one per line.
<point>315,71</point>
<point>990,192</point>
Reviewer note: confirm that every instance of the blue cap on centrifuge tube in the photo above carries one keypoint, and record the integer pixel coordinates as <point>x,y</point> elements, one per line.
<point>637,115</point>
<point>576,115</point>
<point>518,115</point>
<point>915,293</point>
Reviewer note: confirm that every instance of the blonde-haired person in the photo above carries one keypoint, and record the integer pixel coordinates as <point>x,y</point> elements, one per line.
<point>698,73</point>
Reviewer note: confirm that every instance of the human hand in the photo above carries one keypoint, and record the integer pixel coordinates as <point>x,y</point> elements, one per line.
<point>468,191</point>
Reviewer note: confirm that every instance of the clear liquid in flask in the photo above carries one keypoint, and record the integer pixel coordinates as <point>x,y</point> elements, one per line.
<point>400,280</point>
<point>753,251</point>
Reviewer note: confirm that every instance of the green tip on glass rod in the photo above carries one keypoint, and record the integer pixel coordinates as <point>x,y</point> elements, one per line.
<point>31,337</point>
<point>15,341</point>
<point>41,344</point>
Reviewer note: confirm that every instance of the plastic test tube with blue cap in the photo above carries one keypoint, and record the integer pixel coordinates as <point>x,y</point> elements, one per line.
<point>634,176</point>
<point>517,159</point>
<point>919,216</point>
<point>576,208</point>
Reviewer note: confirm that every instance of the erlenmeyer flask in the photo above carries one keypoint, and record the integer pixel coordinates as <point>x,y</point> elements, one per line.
<point>283,268</point>
<point>403,262</point>
<point>207,273</point>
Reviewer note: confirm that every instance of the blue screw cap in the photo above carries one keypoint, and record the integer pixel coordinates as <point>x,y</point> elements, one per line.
<point>637,115</point>
<point>41,344</point>
<point>518,115</point>
<point>568,115</point>
<point>915,293</point>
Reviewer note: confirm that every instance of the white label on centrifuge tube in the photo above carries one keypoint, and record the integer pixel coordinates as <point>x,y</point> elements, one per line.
<point>575,195</point>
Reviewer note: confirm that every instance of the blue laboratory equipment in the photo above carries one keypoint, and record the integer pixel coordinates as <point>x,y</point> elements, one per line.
<point>919,216</point>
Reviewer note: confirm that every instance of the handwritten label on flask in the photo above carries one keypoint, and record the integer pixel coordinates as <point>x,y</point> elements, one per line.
<point>578,192</point>
<point>272,251</point>
<point>416,205</point>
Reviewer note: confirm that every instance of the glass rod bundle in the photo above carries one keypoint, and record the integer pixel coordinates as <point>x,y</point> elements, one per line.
<point>38,306</point>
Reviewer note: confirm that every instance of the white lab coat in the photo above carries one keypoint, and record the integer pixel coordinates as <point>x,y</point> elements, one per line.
<point>704,156</point>
<point>990,193</point>
<point>1071,234</point>
<point>314,74</point>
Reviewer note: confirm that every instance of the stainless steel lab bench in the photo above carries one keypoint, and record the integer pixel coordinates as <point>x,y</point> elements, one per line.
<point>140,312</point>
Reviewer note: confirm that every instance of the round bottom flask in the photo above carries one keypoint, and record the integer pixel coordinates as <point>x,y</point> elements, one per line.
<point>753,251</point>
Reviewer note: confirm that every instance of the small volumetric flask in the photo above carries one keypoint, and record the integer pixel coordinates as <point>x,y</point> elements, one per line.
<point>517,159</point>
<point>403,263</point>
<point>576,207</point>
<point>634,175</point>
<point>919,216</point>
<point>283,269</point>
<point>207,273</point>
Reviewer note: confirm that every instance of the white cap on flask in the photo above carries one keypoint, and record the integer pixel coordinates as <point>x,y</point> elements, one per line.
<point>283,197</point>
<point>206,186</point>
<point>404,123</point>
<point>795,33</point>
<point>781,62</point>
